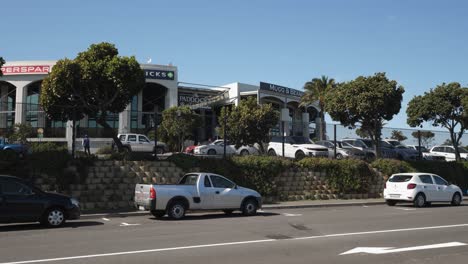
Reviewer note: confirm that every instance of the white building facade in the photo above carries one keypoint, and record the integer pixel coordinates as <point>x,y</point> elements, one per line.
<point>21,84</point>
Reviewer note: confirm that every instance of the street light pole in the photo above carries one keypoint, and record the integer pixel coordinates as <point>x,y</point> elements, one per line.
<point>224,136</point>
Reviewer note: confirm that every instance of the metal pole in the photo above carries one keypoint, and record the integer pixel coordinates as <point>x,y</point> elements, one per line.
<point>334,140</point>
<point>419,144</point>
<point>282,136</point>
<point>224,136</point>
<point>156,131</point>
<point>73,133</point>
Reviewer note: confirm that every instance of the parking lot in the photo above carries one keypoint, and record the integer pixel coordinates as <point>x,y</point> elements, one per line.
<point>382,234</point>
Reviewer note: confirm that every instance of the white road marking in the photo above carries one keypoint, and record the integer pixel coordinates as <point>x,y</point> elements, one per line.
<point>236,243</point>
<point>286,214</point>
<point>127,224</point>
<point>387,250</point>
<point>365,206</point>
<point>405,209</point>
<point>106,219</point>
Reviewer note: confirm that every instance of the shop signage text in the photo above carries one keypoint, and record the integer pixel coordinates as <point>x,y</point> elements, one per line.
<point>30,69</point>
<point>280,89</point>
<point>191,99</point>
<point>160,75</point>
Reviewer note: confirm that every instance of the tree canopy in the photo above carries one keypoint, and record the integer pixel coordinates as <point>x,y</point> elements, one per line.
<point>97,82</point>
<point>368,101</point>
<point>177,124</point>
<point>315,91</point>
<point>2,61</point>
<point>398,135</point>
<point>444,106</point>
<point>248,123</point>
<point>426,137</point>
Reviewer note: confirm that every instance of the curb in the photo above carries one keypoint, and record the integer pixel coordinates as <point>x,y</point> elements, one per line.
<point>267,206</point>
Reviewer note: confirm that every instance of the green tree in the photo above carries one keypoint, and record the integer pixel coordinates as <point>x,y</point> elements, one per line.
<point>2,61</point>
<point>362,134</point>
<point>398,135</point>
<point>366,100</point>
<point>315,91</point>
<point>427,137</point>
<point>177,125</point>
<point>22,132</point>
<point>443,106</point>
<point>248,123</point>
<point>96,83</point>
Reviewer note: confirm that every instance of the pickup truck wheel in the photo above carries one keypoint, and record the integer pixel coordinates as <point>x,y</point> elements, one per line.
<point>249,207</point>
<point>159,151</point>
<point>228,212</point>
<point>158,213</point>
<point>211,152</point>
<point>54,217</point>
<point>271,152</point>
<point>176,210</point>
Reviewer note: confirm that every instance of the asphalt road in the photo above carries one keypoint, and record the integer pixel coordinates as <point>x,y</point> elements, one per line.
<point>401,234</point>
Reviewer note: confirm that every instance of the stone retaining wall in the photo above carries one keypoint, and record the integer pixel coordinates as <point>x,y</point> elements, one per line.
<point>111,184</point>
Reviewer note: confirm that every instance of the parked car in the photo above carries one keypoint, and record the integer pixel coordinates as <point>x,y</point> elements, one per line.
<point>21,202</point>
<point>18,149</point>
<point>426,155</point>
<point>217,148</point>
<point>141,143</point>
<point>359,144</point>
<point>402,151</point>
<point>296,147</point>
<point>386,149</point>
<point>421,189</point>
<point>449,152</point>
<point>196,191</point>
<point>343,150</point>
<point>190,149</point>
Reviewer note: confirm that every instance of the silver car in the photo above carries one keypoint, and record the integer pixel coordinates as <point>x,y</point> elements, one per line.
<point>343,150</point>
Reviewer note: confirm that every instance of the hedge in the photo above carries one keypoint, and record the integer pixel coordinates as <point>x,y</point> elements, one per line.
<point>345,176</point>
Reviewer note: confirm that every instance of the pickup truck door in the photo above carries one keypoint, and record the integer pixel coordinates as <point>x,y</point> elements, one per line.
<point>207,193</point>
<point>225,194</point>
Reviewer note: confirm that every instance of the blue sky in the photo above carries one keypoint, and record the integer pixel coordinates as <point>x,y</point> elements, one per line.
<point>419,43</point>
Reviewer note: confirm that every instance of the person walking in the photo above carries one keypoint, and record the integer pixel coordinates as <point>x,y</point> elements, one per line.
<point>86,145</point>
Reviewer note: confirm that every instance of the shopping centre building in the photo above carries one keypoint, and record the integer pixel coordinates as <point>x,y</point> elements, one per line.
<point>20,89</point>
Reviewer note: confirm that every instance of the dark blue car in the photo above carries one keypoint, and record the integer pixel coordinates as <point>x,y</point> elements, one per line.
<point>21,202</point>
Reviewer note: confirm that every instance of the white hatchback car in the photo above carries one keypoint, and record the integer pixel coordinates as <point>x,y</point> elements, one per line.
<point>421,189</point>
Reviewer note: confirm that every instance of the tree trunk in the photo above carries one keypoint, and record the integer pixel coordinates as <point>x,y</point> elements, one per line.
<point>321,134</point>
<point>102,122</point>
<point>455,144</point>
<point>378,153</point>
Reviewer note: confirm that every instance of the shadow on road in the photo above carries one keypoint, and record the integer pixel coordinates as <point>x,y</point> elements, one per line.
<point>37,226</point>
<point>214,216</point>
<point>433,205</point>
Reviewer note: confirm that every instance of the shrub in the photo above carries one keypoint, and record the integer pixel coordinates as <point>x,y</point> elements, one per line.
<point>345,176</point>
<point>105,150</point>
<point>47,146</point>
<point>390,166</point>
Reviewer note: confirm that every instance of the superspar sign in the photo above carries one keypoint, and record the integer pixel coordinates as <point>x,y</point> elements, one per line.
<point>30,69</point>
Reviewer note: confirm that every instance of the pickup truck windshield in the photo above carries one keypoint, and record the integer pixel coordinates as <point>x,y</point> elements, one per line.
<point>189,179</point>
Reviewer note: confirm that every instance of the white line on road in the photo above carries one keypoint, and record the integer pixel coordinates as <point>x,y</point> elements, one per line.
<point>235,243</point>
<point>106,219</point>
<point>405,209</point>
<point>127,224</point>
<point>387,250</point>
<point>286,214</point>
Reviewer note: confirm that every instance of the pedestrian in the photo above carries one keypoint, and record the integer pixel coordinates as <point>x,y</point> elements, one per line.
<point>86,144</point>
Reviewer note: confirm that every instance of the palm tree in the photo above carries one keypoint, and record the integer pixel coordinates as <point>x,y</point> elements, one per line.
<point>315,90</point>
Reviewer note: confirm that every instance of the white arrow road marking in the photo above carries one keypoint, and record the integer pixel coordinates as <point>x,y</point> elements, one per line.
<point>127,224</point>
<point>286,214</point>
<point>387,250</point>
<point>106,219</point>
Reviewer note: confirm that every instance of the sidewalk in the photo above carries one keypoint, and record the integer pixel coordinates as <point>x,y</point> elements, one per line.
<point>281,205</point>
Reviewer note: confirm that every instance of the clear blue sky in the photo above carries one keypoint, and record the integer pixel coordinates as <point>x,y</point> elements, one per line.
<point>419,43</point>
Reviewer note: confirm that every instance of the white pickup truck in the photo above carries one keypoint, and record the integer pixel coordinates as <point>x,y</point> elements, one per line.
<point>196,191</point>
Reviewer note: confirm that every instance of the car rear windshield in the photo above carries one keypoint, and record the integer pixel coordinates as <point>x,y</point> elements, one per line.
<point>400,178</point>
